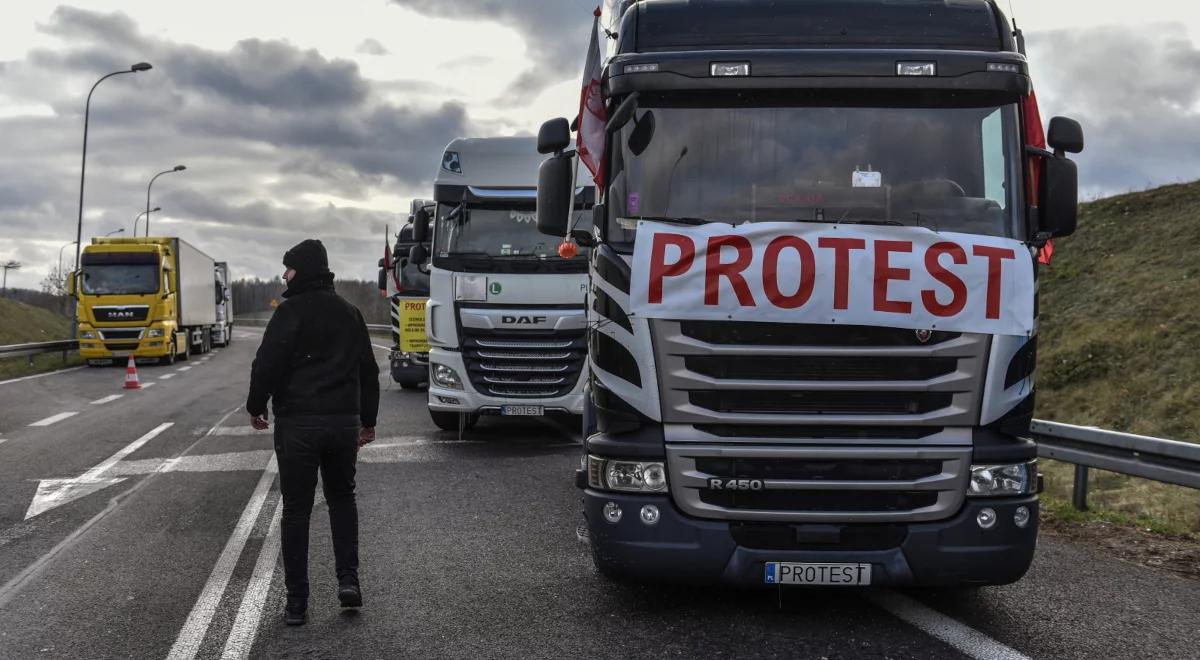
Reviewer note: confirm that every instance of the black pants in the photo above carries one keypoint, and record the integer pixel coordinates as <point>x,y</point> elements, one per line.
<point>304,445</point>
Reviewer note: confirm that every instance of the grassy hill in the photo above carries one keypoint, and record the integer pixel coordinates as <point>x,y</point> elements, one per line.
<point>1120,336</point>
<point>21,323</point>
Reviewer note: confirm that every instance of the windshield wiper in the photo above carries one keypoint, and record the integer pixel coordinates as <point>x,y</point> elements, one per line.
<point>681,220</point>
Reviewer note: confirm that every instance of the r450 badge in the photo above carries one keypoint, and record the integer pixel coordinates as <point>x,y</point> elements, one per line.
<point>735,484</point>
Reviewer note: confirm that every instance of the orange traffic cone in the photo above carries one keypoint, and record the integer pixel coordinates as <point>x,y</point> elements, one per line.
<point>131,379</point>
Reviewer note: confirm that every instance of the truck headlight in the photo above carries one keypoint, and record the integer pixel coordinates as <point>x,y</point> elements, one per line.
<point>87,334</point>
<point>628,476</point>
<point>1003,480</point>
<point>154,332</point>
<point>444,376</point>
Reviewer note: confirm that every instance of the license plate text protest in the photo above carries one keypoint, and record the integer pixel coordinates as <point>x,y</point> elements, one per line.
<point>906,277</point>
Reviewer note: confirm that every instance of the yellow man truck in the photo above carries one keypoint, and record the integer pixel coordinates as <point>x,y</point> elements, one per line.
<point>148,297</point>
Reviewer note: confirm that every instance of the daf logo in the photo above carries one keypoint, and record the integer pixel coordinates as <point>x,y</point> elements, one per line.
<point>924,336</point>
<point>523,320</point>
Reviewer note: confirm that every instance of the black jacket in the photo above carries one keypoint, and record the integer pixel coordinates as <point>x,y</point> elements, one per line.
<point>316,357</point>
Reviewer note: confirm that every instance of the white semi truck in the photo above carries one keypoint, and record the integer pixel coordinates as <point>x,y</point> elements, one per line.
<point>506,319</point>
<point>222,330</point>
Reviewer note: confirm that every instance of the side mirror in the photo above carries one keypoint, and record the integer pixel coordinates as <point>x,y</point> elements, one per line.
<point>382,280</point>
<point>554,136</point>
<point>71,277</point>
<point>622,114</point>
<point>418,255</point>
<point>1059,197</point>
<point>583,238</point>
<point>554,195</point>
<point>1065,135</point>
<point>420,230</point>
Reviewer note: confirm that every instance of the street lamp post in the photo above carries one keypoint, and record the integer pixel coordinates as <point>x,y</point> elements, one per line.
<point>139,217</point>
<point>177,168</point>
<point>7,266</point>
<point>60,270</point>
<point>116,231</point>
<point>87,109</point>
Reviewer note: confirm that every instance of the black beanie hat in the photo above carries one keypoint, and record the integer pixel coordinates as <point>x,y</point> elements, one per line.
<point>308,257</point>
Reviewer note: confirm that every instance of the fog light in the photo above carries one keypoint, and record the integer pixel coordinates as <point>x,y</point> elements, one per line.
<point>650,514</point>
<point>986,518</point>
<point>448,400</point>
<point>1021,516</point>
<point>612,513</point>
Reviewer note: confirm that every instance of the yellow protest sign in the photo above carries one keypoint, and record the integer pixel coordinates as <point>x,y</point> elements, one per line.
<point>412,325</point>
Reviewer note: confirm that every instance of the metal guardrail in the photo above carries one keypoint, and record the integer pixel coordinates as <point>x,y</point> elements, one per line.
<point>38,348</point>
<point>1157,459</point>
<point>373,327</point>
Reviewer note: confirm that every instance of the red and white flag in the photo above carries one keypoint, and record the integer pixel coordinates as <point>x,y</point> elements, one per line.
<point>593,116</point>
<point>1035,136</point>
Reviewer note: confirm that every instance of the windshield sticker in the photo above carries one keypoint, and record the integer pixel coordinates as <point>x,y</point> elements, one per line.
<point>900,277</point>
<point>634,205</point>
<point>867,179</point>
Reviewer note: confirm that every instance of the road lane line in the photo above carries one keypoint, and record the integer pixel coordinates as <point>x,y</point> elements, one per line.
<point>48,373</point>
<point>166,376</point>
<point>956,634</point>
<point>127,450</point>
<point>184,369</point>
<point>187,644</point>
<point>3,440</point>
<point>245,625</point>
<point>108,399</point>
<point>145,385</point>
<point>54,419</point>
<point>14,586</point>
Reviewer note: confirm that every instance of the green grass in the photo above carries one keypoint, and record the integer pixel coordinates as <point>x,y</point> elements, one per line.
<point>1120,340</point>
<point>21,323</point>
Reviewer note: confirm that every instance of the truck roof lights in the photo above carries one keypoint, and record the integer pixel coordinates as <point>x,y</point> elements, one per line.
<point>730,69</point>
<point>916,68</point>
<point>1004,67</point>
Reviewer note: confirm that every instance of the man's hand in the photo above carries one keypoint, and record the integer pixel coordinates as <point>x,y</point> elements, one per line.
<point>259,422</point>
<point>366,436</point>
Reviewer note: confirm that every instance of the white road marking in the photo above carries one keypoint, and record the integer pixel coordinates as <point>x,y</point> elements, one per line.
<point>166,376</point>
<point>48,373</point>
<point>245,626</point>
<point>3,440</point>
<point>184,369</point>
<point>382,348</point>
<point>52,493</point>
<point>145,385</point>
<point>956,634</point>
<point>239,430</point>
<point>54,419</point>
<point>187,644</point>
<point>242,461</point>
<point>108,399</point>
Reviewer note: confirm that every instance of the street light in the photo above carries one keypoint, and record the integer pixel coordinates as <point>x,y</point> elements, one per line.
<point>7,266</point>
<point>177,168</point>
<point>87,108</point>
<point>139,217</point>
<point>116,231</point>
<point>60,270</point>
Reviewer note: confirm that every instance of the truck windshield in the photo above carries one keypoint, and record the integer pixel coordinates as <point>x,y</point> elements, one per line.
<point>775,157</point>
<point>120,279</point>
<point>496,232</point>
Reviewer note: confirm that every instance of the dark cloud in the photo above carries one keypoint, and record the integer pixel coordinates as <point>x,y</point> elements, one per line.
<point>555,34</point>
<point>371,47</point>
<point>1135,90</point>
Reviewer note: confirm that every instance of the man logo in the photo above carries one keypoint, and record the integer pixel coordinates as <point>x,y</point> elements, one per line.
<point>523,320</point>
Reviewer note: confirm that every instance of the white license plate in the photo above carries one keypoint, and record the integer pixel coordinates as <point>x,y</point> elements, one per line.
<point>817,574</point>
<point>121,354</point>
<point>527,411</point>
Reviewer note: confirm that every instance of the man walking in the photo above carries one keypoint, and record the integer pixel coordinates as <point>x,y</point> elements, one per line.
<point>317,365</point>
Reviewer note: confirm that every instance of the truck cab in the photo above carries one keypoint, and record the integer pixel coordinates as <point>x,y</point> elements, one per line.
<point>506,319</point>
<point>222,330</point>
<point>772,413</point>
<point>406,285</point>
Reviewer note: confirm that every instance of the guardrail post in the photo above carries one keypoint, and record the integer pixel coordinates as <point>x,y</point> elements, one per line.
<point>1079,495</point>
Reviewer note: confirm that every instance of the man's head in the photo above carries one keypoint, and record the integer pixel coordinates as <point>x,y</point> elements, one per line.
<point>306,259</point>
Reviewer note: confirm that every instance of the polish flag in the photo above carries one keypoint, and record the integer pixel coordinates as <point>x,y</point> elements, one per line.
<point>593,116</point>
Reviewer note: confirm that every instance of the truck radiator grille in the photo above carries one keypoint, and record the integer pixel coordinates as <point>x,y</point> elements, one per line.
<point>112,314</point>
<point>821,368</point>
<point>524,364</point>
<point>818,402</point>
<point>851,537</point>
<point>801,334</point>
<point>797,484</point>
<point>121,334</point>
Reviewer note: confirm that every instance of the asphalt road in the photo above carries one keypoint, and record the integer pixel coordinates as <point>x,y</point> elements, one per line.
<point>143,527</point>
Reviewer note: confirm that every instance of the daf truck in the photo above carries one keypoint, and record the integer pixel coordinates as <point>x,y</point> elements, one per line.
<point>406,285</point>
<point>222,330</point>
<point>505,320</point>
<point>151,298</point>
<point>813,291</point>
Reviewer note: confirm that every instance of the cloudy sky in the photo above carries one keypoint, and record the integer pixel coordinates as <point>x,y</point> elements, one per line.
<point>324,118</point>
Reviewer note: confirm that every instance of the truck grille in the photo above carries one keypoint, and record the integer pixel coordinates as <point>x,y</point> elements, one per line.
<point>820,484</point>
<point>113,314</point>
<point>541,364</point>
<point>781,374</point>
<point>121,334</point>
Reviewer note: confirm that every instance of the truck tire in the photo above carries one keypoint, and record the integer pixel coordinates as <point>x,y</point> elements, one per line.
<point>449,421</point>
<point>170,357</point>
<point>187,353</point>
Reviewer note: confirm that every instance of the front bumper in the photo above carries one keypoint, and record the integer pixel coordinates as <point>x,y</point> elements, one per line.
<point>680,548</point>
<point>409,367</point>
<point>146,348</point>
<point>469,401</point>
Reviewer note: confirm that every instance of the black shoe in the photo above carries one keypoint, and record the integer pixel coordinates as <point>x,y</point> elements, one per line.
<point>294,613</point>
<point>348,592</point>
